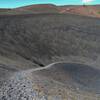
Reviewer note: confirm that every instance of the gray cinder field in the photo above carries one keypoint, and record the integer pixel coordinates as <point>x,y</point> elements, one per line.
<point>49,56</point>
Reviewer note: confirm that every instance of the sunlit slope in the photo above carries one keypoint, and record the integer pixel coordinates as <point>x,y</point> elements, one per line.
<point>39,8</point>
<point>31,9</point>
<point>85,10</point>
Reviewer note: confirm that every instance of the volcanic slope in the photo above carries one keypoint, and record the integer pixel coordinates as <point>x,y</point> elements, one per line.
<point>39,8</point>
<point>57,81</point>
<point>72,75</point>
<point>46,38</point>
<point>31,9</point>
<point>86,10</point>
<point>35,40</point>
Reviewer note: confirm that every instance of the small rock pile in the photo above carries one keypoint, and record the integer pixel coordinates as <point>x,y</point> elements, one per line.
<point>19,87</point>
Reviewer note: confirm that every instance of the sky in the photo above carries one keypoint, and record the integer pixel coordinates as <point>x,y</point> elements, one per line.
<point>19,3</point>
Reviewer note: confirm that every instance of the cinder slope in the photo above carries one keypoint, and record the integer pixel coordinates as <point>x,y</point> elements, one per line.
<point>76,76</point>
<point>51,83</point>
<point>44,38</point>
<point>31,40</point>
<point>39,8</point>
<point>31,9</point>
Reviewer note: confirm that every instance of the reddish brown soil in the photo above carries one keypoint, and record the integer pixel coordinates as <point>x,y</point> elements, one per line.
<point>93,11</point>
<point>38,6</point>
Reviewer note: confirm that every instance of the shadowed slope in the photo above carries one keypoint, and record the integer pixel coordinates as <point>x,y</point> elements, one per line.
<point>74,75</point>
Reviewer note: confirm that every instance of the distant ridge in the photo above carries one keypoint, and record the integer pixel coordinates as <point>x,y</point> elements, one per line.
<point>4,9</point>
<point>37,5</point>
<point>84,10</point>
<point>40,8</point>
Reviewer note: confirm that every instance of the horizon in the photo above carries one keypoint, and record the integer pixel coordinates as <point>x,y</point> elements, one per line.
<point>49,4</point>
<point>16,3</point>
